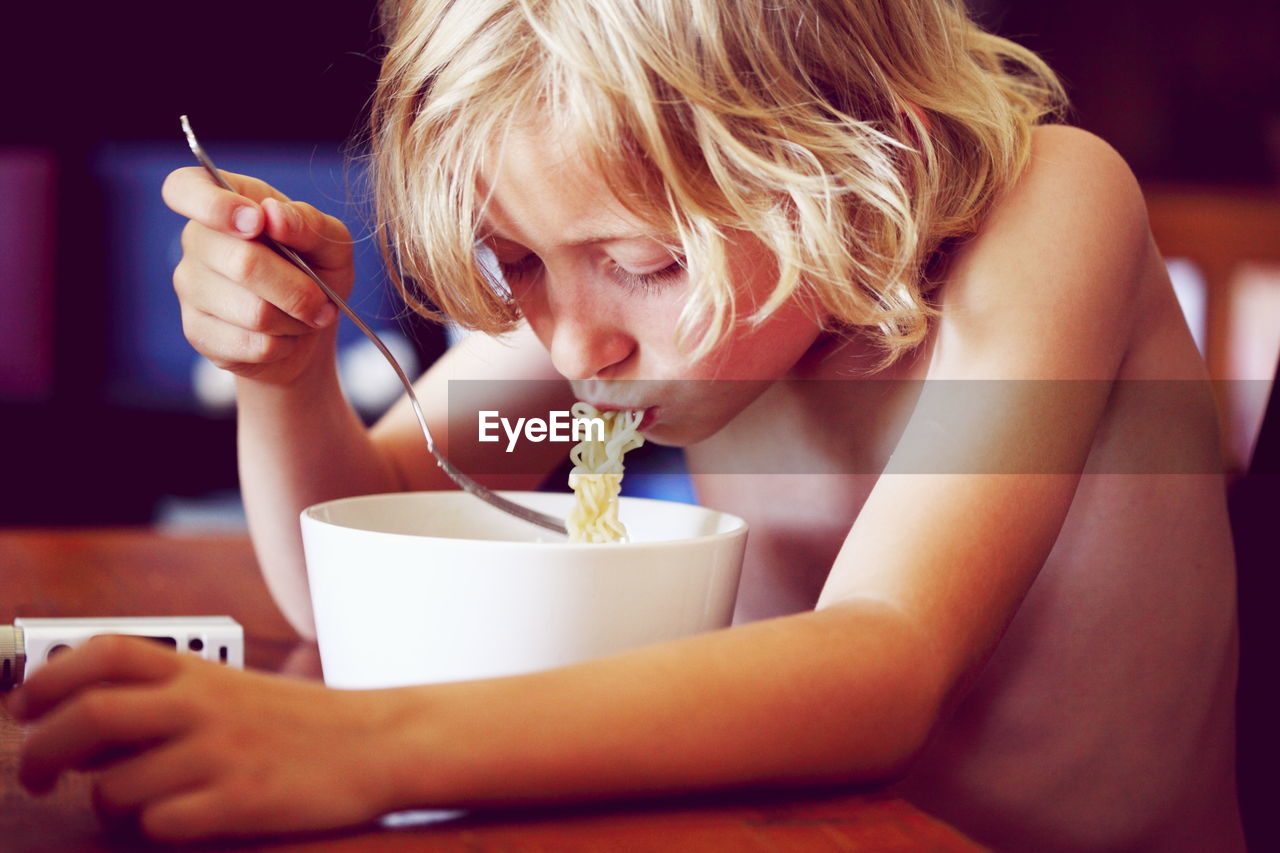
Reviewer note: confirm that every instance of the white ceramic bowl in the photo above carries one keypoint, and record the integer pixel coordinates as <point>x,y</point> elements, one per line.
<point>424,587</point>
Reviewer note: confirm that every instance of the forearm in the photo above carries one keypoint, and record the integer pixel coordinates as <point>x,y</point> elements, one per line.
<point>298,445</point>
<point>845,694</point>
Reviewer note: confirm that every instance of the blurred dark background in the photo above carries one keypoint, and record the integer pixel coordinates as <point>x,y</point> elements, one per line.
<point>98,407</point>
<point>101,408</point>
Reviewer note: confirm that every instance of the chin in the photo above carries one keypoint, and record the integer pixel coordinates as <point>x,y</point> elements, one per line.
<point>682,432</point>
<point>669,437</point>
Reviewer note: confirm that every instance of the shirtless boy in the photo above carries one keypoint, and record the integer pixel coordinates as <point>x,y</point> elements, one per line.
<point>1037,645</point>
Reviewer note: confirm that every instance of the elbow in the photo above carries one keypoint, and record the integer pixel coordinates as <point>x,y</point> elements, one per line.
<point>918,704</point>
<point>909,718</point>
<point>882,744</point>
<point>292,597</point>
<point>899,761</point>
<point>899,694</point>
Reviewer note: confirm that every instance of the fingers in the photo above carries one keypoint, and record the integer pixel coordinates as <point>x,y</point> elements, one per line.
<point>217,809</point>
<point>230,347</point>
<point>323,239</point>
<point>256,206</point>
<point>244,307</point>
<point>214,752</point>
<point>247,285</point>
<point>130,784</point>
<point>191,192</point>
<point>99,659</point>
<point>190,816</point>
<point>94,728</point>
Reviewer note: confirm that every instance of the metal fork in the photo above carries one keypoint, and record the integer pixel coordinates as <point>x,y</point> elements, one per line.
<point>466,483</point>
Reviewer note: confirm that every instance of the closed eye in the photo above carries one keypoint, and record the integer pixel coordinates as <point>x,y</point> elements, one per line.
<point>514,270</point>
<point>650,281</point>
<point>530,266</point>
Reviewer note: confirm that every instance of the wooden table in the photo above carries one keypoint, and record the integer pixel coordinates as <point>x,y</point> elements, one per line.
<point>143,573</point>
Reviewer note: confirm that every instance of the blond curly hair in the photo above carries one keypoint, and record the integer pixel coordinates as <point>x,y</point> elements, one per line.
<point>852,137</point>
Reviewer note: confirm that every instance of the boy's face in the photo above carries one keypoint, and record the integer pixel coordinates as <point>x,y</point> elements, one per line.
<point>603,293</point>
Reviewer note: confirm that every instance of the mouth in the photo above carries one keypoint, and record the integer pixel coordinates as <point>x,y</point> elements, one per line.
<point>647,419</point>
<point>648,416</point>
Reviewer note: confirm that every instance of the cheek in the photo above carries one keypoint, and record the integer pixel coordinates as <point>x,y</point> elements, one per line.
<point>693,411</point>
<point>532,304</point>
<point>764,353</point>
<point>767,351</point>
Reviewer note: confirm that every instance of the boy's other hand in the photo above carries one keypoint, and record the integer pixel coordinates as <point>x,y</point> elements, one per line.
<point>191,749</point>
<point>244,307</point>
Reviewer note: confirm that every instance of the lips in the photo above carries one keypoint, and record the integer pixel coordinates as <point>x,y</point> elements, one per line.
<point>646,419</point>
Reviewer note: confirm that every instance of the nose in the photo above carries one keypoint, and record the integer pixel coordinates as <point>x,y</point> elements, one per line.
<point>582,328</point>
<point>587,347</point>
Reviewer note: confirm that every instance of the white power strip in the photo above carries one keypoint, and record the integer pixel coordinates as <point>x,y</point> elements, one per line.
<point>29,643</point>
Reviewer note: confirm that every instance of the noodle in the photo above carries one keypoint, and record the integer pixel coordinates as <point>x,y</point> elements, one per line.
<point>596,478</point>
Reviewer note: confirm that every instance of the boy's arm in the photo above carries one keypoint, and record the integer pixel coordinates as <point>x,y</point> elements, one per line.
<point>297,445</point>
<point>302,443</point>
<point>844,694</point>
<point>1036,320</point>
<point>252,313</point>
<point>209,751</point>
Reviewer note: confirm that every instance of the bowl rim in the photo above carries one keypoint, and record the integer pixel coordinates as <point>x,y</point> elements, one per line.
<point>740,528</point>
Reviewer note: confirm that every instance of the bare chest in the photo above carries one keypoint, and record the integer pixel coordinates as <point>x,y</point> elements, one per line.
<point>798,465</point>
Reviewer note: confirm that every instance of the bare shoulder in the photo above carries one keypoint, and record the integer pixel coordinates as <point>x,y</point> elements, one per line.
<point>1074,189</point>
<point>1086,170</point>
<point>1064,145</point>
<point>1055,265</point>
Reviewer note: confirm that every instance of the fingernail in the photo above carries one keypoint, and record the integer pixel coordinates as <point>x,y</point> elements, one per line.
<point>246,220</point>
<point>325,316</point>
<point>295,218</point>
